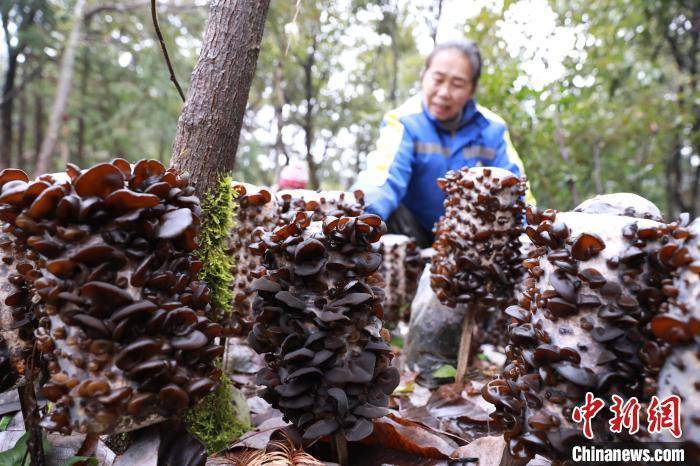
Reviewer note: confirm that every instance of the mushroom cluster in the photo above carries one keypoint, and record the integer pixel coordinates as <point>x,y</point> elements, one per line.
<point>254,209</point>
<point>595,281</point>
<point>321,204</point>
<point>477,250</point>
<point>401,269</point>
<point>318,319</point>
<point>106,279</point>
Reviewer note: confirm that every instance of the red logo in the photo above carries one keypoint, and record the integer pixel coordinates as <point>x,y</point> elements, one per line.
<point>587,412</point>
<point>665,414</point>
<point>625,415</point>
<point>661,415</point>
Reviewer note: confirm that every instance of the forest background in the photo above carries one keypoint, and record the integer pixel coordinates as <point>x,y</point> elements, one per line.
<point>600,95</point>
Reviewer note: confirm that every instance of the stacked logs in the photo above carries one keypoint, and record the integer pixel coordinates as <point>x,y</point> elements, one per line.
<point>254,209</point>
<point>107,279</point>
<point>679,325</point>
<point>401,269</point>
<point>318,319</point>
<point>594,283</point>
<point>16,327</point>
<point>476,240</point>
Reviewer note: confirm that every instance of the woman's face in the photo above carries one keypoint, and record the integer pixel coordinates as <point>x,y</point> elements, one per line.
<point>447,84</point>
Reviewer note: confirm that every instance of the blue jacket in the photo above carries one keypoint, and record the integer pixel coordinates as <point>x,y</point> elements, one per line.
<point>414,150</point>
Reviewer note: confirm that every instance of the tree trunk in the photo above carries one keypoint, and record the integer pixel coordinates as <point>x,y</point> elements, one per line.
<point>560,137</point>
<point>64,84</point>
<point>207,133</point>
<point>80,152</point>
<point>308,116</point>
<point>22,131</point>
<point>6,113</point>
<point>38,125</point>
<point>280,149</point>
<point>63,149</point>
<point>393,92</point>
<point>437,21</point>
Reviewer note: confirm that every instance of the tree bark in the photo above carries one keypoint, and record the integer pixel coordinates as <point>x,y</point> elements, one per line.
<point>65,79</point>
<point>308,116</point>
<point>207,133</point>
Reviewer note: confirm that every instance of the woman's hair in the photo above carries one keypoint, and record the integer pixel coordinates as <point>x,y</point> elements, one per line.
<point>468,48</point>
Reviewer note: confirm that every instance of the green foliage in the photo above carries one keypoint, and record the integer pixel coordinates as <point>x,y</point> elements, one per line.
<point>15,455</point>
<point>397,341</point>
<point>622,115</point>
<point>5,421</point>
<point>217,208</point>
<point>445,371</point>
<point>219,419</point>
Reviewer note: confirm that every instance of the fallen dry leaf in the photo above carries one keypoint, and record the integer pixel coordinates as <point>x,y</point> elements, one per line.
<point>406,384</point>
<point>258,438</point>
<point>489,451</point>
<point>403,434</point>
<point>419,396</point>
<point>449,401</point>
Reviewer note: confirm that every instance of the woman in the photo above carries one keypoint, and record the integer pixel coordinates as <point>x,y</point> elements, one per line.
<point>438,130</point>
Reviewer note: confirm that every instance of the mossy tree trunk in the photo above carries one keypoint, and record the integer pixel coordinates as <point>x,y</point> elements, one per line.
<point>210,123</point>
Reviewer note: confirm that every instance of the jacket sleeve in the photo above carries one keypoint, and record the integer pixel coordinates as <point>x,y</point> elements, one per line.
<point>507,157</point>
<point>389,168</point>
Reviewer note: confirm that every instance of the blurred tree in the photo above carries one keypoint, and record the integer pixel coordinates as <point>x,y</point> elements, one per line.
<point>62,90</point>
<point>618,114</point>
<point>22,24</point>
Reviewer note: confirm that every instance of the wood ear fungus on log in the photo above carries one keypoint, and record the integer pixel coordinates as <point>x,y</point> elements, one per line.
<point>318,319</point>
<point>103,273</point>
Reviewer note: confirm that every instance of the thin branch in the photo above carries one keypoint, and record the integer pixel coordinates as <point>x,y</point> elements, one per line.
<point>117,7</point>
<point>5,28</point>
<point>128,7</point>
<point>294,21</point>
<point>154,16</point>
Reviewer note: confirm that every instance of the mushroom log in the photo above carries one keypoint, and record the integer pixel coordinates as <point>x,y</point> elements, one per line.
<point>106,279</point>
<point>318,319</point>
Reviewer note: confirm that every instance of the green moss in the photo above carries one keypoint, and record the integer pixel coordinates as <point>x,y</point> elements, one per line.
<point>217,212</point>
<point>220,418</point>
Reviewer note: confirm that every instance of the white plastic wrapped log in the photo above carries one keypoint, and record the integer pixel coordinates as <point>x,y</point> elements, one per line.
<point>580,326</point>
<point>400,269</point>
